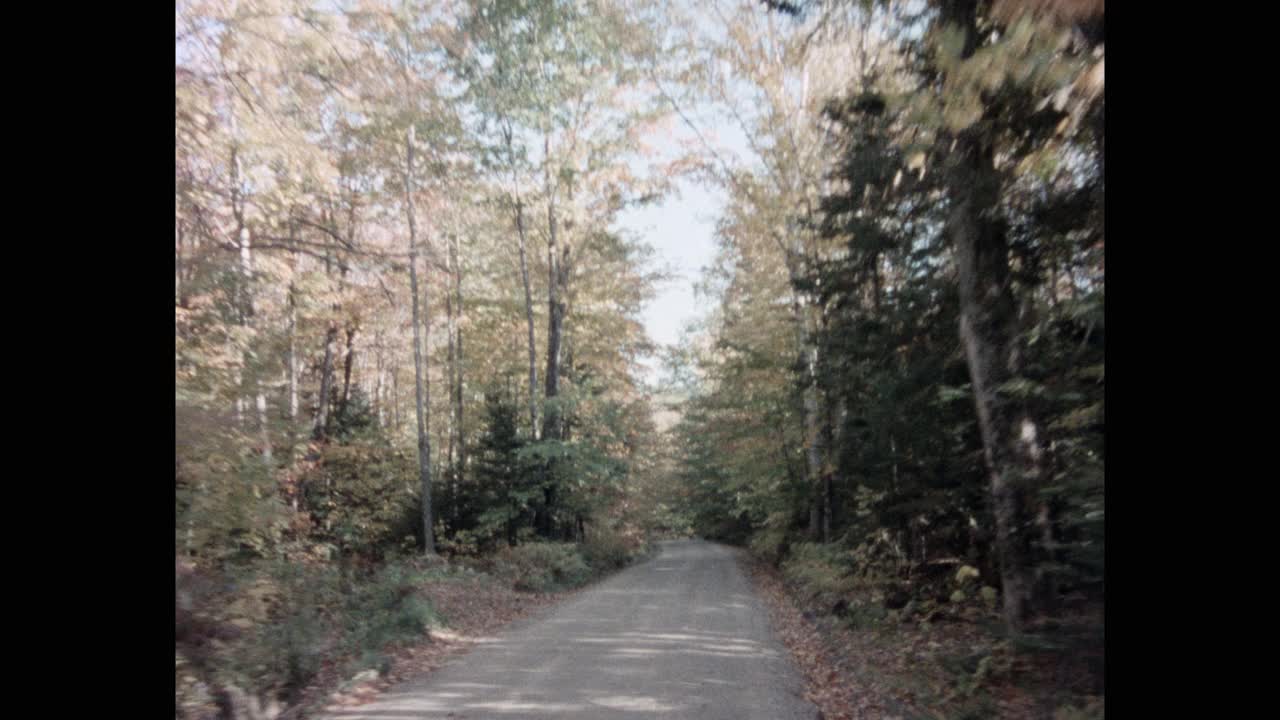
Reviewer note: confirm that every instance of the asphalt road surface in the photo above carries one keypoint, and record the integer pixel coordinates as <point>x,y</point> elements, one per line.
<point>681,635</point>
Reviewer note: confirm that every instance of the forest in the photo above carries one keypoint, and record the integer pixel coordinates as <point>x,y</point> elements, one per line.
<point>411,348</point>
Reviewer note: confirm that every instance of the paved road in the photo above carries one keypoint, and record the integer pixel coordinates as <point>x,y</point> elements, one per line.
<point>680,636</point>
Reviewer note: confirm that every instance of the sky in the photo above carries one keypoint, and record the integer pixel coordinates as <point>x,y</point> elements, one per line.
<point>681,229</point>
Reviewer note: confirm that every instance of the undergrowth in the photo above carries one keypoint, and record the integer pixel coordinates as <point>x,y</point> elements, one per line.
<point>937,629</point>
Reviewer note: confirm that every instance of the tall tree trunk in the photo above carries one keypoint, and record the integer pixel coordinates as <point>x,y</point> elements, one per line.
<point>421,391</point>
<point>346,371</point>
<point>292,364</point>
<point>178,267</point>
<point>827,503</point>
<point>238,379</point>
<point>566,421</point>
<point>457,443</point>
<point>378,389</point>
<point>893,462</point>
<point>264,430</point>
<point>1046,583</point>
<point>988,332</point>
<point>814,430</point>
<point>557,282</point>
<point>319,427</point>
<point>528,313</point>
<point>557,279</point>
<point>451,364</point>
<point>835,405</point>
<point>458,377</point>
<point>243,241</point>
<point>320,422</point>
<point>291,368</point>
<point>813,444</point>
<point>824,432</point>
<point>1053,282</point>
<point>354,324</point>
<point>333,398</point>
<point>524,277</point>
<point>395,396</point>
<point>1009,434</point>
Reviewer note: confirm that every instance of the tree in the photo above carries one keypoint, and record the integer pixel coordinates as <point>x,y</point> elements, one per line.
<point>954,165</point>
<point>504,494</point>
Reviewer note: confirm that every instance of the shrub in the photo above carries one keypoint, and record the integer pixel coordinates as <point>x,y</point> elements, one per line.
<point>320,611</point>
<point>362,497</point>
<point>296,644</point>
<point>384,611</point>
<point>973,672</point>
<point>1093,709</point>
<point>770,542</point>
<point>818,570</point>
<point>543,566</point>
<point>607,550</point>
<point>288,649</point>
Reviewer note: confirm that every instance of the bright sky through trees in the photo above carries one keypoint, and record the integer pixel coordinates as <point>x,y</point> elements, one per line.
<point>682,229</point>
